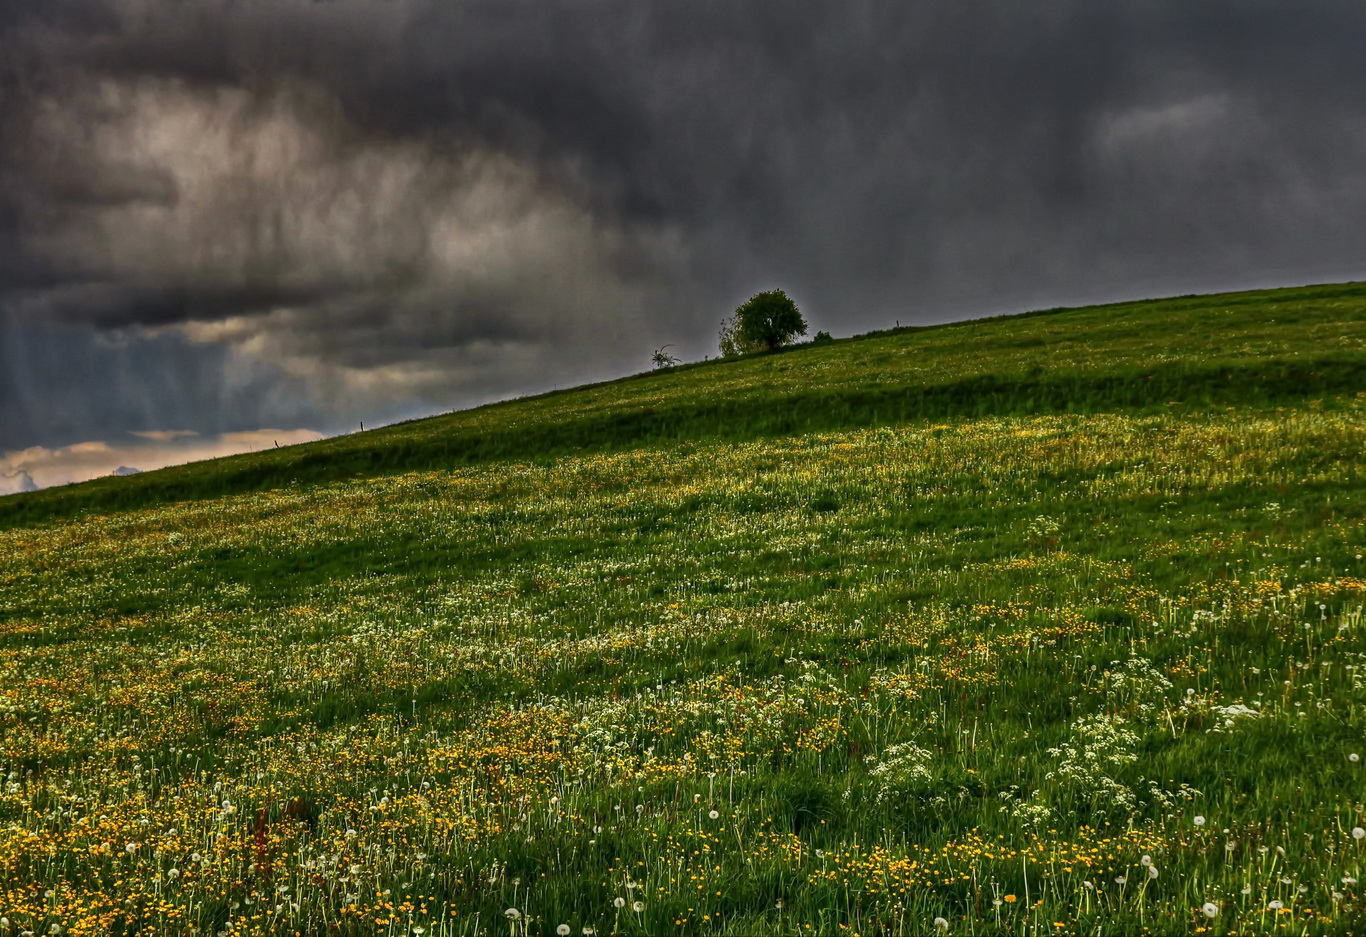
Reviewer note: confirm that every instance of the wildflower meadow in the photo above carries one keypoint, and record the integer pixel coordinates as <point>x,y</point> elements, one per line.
<point>930,661</point>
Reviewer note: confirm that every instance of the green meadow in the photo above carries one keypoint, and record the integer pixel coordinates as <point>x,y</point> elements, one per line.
<point>1038,624</point>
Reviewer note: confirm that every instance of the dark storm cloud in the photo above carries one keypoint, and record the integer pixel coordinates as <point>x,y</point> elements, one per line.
<point>377,203</point>
<point>114,304</point>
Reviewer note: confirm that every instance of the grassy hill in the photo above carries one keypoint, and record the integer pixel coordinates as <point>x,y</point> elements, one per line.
<point>1268,347</point>
<point>1046,623</point>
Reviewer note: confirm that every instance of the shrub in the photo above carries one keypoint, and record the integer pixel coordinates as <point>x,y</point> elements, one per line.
<point>662,359</point>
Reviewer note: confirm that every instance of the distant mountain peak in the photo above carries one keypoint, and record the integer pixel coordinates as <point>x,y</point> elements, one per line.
<point>126,470</point>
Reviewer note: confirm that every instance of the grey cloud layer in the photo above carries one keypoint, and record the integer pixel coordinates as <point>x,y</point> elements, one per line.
<point>368,204</point>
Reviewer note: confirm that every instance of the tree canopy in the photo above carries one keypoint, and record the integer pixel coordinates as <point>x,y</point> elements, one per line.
<point>767,320</point>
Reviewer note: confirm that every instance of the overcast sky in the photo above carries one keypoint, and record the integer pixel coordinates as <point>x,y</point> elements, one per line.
<point>223,219</point>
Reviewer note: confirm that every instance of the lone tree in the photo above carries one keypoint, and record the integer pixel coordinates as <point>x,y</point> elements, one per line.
<point>768,320</point>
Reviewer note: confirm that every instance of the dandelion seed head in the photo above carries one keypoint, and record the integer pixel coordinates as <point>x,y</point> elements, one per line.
<point>1199,821</point>
<point>563,930</point>
<point>1210,908</point>
<point>618,902</point>
<point>638,906</point>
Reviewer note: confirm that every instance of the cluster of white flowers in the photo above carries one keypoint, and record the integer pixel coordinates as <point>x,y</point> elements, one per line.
<point>1138,687</point>
<point>1032,814</point>
<point>1043,527</point>
<point>1100,744</point>
<point>1229,715</point>
<point>902,768</point>
<point>1169,798</point>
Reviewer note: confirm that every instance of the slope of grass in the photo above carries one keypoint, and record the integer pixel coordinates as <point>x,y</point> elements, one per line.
<point>1266,347</point>
<point>936,625</point>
